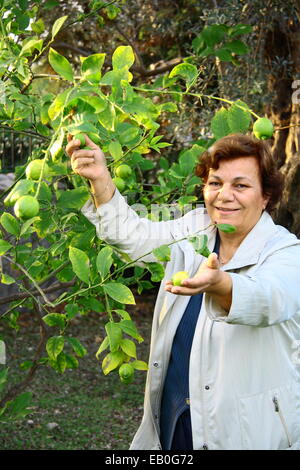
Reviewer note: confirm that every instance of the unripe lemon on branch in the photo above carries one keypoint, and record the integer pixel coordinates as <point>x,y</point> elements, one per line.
<point>263,128</point>
<point>26,207</point>
<point>178,277</point>
<point>120,183</point>
<point>34,168</point>
<point>126,373</point>
<point>123,171</point>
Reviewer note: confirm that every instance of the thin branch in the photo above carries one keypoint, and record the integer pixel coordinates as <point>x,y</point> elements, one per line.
<point>25,295</point>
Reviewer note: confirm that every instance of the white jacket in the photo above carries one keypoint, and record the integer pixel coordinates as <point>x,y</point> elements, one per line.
<point>244,366</point>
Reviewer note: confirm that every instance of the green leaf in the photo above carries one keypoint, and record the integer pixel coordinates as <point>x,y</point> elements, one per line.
<point>71,361</point>
<point>54,346</point>
<point>58,104</point>
<point>97,102</point>
<point>238,47</point>
<point>56,149</point>
<point>187,162</point>
<point>21,188</point>
<point>3,378</point>
<point>73,198</point>
<point>122,57</point>
<point>239,29</point>
<point>55,319</point>
<point>26,227</point>
<point>60,364</point>
<point>199,243</point>
<point>129,327</point>
<point>4,246</point>
<point>115,149</point>
<point>57,25</point>
<point>188,72</point>
<point>123,314</point>
<point>30,45</point>
<point>224,54</point>
<point>18,408</point>
<point>213,34</point>
<point>78,348</point>
<point>61,65</point>
<point>91,67</point>
<point>119,292</point>
<point>139,365</point>
<point>7,279</point>
<point>227,228</point>
<point>10,223</point>
<point>239,119</point>
<point>157,271</point>
<point>107,117</point>
<point>219,123</point>
<point>104,261</point>
<point>114,333</point>
<point>112,361</point>
<point>162,253</point>
<point>104,345</point>
<point>128,347</point>
<point>80,264</point>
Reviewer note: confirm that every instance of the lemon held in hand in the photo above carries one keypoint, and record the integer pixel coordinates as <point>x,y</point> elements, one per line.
<point>26,207</point>
<point>80,137</point>
<point>34,168</point>
<point>263,128</point>
<point>178,277</point>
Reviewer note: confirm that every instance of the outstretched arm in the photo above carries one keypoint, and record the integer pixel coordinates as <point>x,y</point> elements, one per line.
<point>209,279</point>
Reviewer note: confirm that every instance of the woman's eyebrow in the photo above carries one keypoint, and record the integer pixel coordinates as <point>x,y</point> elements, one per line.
<point>234,179</point>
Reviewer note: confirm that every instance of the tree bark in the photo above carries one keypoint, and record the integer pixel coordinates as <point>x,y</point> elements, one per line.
<point>282,47</point>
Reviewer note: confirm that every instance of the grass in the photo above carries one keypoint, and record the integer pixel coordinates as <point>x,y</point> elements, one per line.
<point>80,409</point>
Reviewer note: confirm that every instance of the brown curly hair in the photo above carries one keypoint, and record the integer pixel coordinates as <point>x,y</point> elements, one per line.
<point>240,145</point>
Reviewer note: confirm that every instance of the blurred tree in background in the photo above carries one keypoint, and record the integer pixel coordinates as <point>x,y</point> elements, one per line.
<point>161,33</point>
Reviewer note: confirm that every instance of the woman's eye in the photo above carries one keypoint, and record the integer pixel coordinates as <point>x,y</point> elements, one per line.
<point>213,183</point>
<point>241,186</point>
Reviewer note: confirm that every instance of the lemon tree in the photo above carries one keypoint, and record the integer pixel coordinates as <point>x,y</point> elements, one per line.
<point>44,235</point>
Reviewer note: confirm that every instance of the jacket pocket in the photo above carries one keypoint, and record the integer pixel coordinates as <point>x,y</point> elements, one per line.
<point>268,419</point>
<point>282,419</point>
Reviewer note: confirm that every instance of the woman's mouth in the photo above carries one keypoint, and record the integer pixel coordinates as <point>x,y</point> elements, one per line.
<point>226,210</point>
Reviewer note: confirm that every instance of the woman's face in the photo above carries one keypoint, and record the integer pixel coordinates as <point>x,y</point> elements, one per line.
<point>233,194</point>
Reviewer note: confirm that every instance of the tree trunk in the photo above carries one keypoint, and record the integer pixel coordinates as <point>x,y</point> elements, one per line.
<point>282,47</point>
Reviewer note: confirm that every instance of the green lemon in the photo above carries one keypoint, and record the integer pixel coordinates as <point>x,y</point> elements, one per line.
<point>126,373</point>
<point>178,277</point>
<point>123,171</point>
<point>80,137</point>
<point>26,207</point>
<point>34,168</point>
<point>263,128</point>
<point>120,183</point>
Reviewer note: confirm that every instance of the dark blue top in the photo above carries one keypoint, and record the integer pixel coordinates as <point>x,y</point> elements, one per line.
<point>175,398</point>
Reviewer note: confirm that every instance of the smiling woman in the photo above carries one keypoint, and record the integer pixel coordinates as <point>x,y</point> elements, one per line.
<point>222,373</point>
<point>239,145</point>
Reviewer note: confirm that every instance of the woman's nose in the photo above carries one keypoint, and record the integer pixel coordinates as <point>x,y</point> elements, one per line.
<point>225,193</point>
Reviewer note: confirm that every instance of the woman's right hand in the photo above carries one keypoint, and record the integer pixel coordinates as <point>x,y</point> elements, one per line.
<point>90,164</point>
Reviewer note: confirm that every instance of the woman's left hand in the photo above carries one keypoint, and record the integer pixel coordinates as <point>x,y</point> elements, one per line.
<point>207,279</point>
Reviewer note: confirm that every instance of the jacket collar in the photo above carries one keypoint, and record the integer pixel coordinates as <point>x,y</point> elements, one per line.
<point>253,244</point>
<point>247,253</point>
